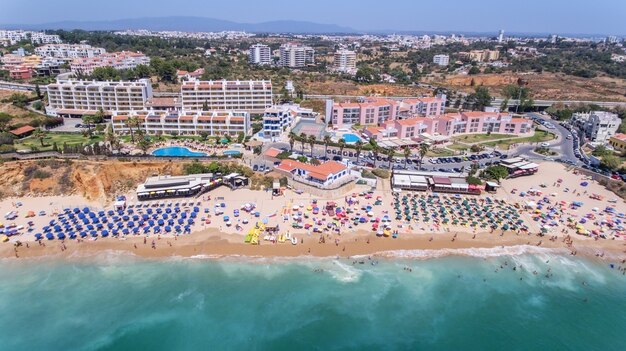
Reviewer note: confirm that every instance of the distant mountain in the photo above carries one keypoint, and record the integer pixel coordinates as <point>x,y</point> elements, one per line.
<point>189,24</point>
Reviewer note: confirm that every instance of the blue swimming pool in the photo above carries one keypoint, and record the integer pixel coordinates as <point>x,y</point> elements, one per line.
<point>176,151</point>
<point>351,138</point>
<point>231,152</point>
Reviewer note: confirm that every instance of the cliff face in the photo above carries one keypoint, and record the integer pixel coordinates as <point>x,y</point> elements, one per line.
<point>96,181</point>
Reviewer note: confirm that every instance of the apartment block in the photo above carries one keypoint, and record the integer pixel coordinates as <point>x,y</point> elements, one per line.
<point>480,55</point>
<point>259,54</point>
<point>296,56</point>
<point>598,126</point>
<point>117,60</point>
<point>345,61</point>
<point>277,119</point>
<point>451,124</point>
<point>75,98</point>
<point>69,51</point>
<point>21,72</point>
<point>215,123</point>
<point>246,95</point>
<point>441,60</point>
<point>375,111</point>
<point>43,38</point>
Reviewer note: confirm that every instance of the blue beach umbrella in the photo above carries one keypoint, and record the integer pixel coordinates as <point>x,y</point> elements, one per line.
<point>93,233</point>
<point>168,228</point>
<point>61,236</point>
<point>83,234</point>
<point>86,210</point>
<point>105,233</point>
<point>110,225</point>
<point>50,236</point>
<point>136,230</point>
<point>38,236</point>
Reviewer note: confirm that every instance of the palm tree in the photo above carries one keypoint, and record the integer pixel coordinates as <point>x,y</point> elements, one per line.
<point>111,138</point>
<point>358,146</point>
<point>423,151</point>
<point>327,141</point>
<point>40,134</point>
<point>390,153</point>
<point>302,141</point>
<point>375,152</point>
<point>342,145</point>
<point>407,153</point>
<point>132,122</point>
<point>292,140</point>
<point>88,120</point>
<point>144,145</point>
<point>312,139</point>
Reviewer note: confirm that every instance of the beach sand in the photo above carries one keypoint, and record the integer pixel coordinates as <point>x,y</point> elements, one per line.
<point>218,240</point>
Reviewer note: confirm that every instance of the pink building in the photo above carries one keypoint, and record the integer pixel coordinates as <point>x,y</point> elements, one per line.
<point>450,124</point>
<point>376,111</point>
<point>21,72</point>
<point>117,60</point>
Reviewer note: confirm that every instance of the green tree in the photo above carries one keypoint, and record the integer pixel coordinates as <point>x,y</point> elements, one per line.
<point>473,70</point>
<point>483,99</point>
<point>611,162</point>
<point>407,152</point>
<point>292,140</point>
<point>88,120</point>
<point>389,153</point>
<point>358,146</point>
<point>423,150</point>
<point>41,135</point>
<point>327,141</point>
<point>144,145</point>
<point>342,145</point>
<point>302,141</point>
<point>132,123</point>
<point>520,93</point>
<point>5,119</point>
<point>38,91</point>
<point>495,172</point>
<point>143,71</point>
<point>311,139</point>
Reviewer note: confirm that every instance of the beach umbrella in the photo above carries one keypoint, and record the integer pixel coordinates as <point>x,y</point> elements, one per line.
<point>114,232</point>
<point>168,228</point>
<point>38,236</point>
<point>145,217</point>
<point>135,217</point>
<point>168,210</point>
<point>149,211</point>
<point>93,233</point>
<point>136,230</point>
<point>170,222</point>
<point>151,223</point>
<point>120,224</point>
<point>146,229</point>
<point>76,210</point>
<point>130,224</point>
<point>86,210</point>
<point>104,233</point>
<point>110,212</point>
<point>159,210</point>
<point>82,234</point>
<point>157,229</point>
<point>190,221</point>
<point>177,228</point>
<point>125,218</point>
<point>110,225</point>
<point>125,231</point>
<point>50,236</point>
<point>181,221</point>
<point>160,222</point>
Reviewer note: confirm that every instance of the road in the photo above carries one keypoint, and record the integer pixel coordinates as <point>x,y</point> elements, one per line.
<point>561,144</point>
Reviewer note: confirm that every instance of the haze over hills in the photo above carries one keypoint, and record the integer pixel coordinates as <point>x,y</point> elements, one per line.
<point>189,24</point>
<point>203,24</point>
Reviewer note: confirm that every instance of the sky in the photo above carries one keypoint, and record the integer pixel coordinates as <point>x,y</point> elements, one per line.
<point>528,16</point>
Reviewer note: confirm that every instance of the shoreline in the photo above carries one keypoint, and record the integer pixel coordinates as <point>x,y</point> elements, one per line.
<point>352,246</point>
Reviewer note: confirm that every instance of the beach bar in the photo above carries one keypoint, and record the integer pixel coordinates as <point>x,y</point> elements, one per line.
<point>159,187</point>
<point>435,181</point>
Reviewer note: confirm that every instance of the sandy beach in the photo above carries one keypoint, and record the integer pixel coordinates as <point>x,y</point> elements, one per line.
<point>211,236</point>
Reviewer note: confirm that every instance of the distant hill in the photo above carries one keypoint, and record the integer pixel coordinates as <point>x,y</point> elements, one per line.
<point>189,24</point>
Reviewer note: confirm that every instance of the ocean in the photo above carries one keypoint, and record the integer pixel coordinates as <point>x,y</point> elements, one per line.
<point>118,302</point>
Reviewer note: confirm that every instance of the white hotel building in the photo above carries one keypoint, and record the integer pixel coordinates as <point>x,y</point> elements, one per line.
<point>245,95</point>
<point>215,123</point>
<point>69,51</point>
<point>296,56</point>
<point>259,54</point>
<point>75,98</point>
<point>345,61</point>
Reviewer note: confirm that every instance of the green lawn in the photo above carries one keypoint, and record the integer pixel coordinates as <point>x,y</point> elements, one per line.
<point>477,138</point>
<point>31,143</point>
<point>126,138</point>
<point>539,137</point>
<point>438,152</point>
<point>458,147</point>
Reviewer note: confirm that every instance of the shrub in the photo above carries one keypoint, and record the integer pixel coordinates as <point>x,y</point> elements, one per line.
<point>381,173</point>
<point>41,174</point>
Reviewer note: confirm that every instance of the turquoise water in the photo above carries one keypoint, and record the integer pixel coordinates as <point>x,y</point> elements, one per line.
<point>351,138</point>
<point>176,151</point>
<point>231,152</point>
<point>452,303</point>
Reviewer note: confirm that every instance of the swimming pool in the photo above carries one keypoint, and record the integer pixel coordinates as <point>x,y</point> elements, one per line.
<point>176,151</point>
<point>351,138</point>
<point>231,152</point>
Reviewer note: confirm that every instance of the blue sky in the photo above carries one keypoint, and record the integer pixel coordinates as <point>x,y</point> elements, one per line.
<point>545,16</point>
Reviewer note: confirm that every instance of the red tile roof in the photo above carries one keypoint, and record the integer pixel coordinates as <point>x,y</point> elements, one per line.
<point>272,152</point>
<point>620,136</point>
<point>22,130</point>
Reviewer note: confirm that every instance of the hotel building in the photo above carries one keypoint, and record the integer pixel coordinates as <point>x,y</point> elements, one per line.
<point>69,51</point>
<point>277,119</point>
<point>75,98</point>
<point>215,123</point>
<point>321,175</point>
<point>117,60</point>
<point>345,61</point>
<point>451,124</point>
<point>375,111</point>
<point>441,60</point>
<point>296,56</point>
<point>259,54</point>
<point>245,95</point>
